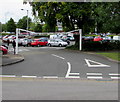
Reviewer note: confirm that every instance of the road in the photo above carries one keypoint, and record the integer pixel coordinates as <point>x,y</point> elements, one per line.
<point>50,73</point>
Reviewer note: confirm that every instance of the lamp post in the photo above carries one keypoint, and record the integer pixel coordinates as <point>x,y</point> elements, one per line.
<point>27,17</point>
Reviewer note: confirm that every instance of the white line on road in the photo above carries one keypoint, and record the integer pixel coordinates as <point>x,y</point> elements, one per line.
<point>94,73</point>
<point>116,74</point>
<point>47,77</point>
<point>29,76</point>
<point>97,64</point>
<point>115,77</point>
<point>58,56</point>
<point>7,76</point>
<point>68,72</point>
<point>93,77</point>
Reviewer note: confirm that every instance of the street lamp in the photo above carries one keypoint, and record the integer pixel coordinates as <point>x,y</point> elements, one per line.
<point>27,17</point>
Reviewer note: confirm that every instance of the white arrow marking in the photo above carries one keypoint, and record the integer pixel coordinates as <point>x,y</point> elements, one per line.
<point>98,64</point>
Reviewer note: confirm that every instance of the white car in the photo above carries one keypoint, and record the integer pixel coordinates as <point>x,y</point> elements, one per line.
<point>57,42</point>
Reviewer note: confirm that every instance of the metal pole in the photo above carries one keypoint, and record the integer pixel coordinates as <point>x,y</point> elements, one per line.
<point>17,32</point>
<point>27,19</point>
<point>80,39</point>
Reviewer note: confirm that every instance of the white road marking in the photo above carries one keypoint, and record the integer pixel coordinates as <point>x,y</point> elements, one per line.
<point>20,50</point>
<point>94,73</point>
<point>116,74</point>
<point>74,73</point>
<point>68,72</point>
<point>93,77</point>
<point>47,77</point>
<point>98,64</point>
<point>23,76</point>
<point>12,76</point>
<point>58,56</point>
<point>115,77</point>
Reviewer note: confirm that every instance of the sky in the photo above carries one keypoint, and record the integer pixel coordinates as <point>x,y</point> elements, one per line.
<point>12,9</point>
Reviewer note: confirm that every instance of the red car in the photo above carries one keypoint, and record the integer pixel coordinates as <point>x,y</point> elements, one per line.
<point>98,38</point>
<point>39,42</point>
<point>3,49</point>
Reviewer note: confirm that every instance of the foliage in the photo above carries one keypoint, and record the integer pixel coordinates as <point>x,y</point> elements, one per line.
<point>11,26</point>
<point>4,27</point>
<point>39,36</point>
<point>87,16</point>
<point>22,23</point>
<point>97,46</point>
<point>38,28</point>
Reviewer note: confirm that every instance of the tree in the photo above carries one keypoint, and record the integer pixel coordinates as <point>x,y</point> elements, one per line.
<point>106,16</point>
<point>4,27</point>
<point>38,28</point>
<point>11,26</point>
<point>22,23</point>
<point>86,15</point>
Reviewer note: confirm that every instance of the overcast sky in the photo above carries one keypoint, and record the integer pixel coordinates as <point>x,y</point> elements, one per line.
<point>12,9</point>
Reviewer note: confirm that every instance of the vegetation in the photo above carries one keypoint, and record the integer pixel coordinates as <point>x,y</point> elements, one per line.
<point>97,46</point>
<point>22,23</point>
<point>87,16</point>
<point>112,55</point>
<point>11,26</point>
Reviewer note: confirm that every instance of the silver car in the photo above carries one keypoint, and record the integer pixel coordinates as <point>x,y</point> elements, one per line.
<point>57,42</point>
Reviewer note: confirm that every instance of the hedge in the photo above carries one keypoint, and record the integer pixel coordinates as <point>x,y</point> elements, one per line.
<point>97,46</point>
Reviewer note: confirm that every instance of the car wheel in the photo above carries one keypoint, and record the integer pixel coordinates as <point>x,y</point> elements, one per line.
<point>49,45</point>
<point>38,45</point>
<point>2,52</point>
<point>60,45</point>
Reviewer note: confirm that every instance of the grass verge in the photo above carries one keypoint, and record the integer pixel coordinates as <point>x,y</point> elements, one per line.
<point>112,55</point>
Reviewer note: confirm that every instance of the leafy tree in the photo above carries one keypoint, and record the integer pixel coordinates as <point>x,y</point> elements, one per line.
<point>22,23</point>
<point>11,26</point>
<point>87,16</point>
<point>106,16</point>
<point>38,28</point>
<point>4,27</point>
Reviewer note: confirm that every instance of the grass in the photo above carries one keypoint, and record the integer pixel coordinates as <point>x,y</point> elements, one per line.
<point>112,55</point>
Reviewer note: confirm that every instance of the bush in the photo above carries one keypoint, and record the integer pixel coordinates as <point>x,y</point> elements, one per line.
<point>39,36</point>
<point>101,46</point>
<point>97,46</point>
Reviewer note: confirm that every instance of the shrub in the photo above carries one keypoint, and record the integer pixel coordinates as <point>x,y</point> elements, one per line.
<point>97,46</point>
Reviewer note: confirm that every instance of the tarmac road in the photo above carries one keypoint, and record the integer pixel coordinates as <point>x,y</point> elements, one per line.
<point>57,62</point>
<point>52,73</point>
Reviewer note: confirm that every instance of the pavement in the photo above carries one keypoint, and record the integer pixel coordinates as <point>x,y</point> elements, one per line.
<point>11,59</point>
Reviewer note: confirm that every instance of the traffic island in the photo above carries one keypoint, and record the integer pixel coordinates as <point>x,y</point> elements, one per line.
<point>10,59</point>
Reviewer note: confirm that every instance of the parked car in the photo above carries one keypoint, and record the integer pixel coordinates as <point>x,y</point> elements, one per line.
<point>43,38</point>
<point>98,38</point>
<point>57,42</point>
<point>11,37</point>
<point>66,41</point>
<point>39,42</point>
<point>5,38</point>
<point>26,42</point>
<point>116,38</point>
<point>88,38</point>
<point>3,49</point>
<point>70,38</point>
<point>107,38</point>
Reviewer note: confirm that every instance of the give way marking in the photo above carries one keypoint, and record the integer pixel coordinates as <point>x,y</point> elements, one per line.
<point>95,64</point>
<point>73,75</point>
